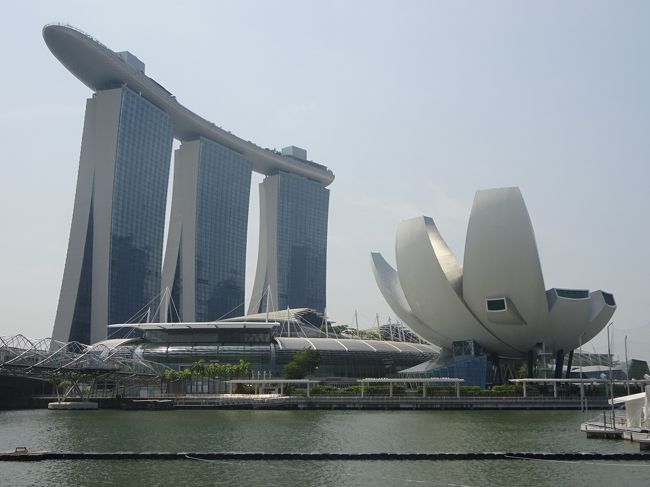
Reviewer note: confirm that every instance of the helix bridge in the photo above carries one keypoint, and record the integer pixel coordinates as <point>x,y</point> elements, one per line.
<point>80,368</point>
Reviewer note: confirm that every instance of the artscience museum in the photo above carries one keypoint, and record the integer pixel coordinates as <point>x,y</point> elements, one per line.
<point>494,305</point>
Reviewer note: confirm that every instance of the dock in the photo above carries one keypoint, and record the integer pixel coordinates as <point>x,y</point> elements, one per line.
<point>607,434</point>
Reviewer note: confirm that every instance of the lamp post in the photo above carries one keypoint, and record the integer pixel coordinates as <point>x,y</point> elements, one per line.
<point>582,384</point>
<point>627,369</point>
<point>611,384</point>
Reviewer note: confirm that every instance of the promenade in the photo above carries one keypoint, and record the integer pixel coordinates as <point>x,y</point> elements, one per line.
<point>381,402</point>
<point>352,402</point>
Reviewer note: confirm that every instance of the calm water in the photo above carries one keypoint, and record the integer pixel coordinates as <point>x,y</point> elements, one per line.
<point>214,430</point>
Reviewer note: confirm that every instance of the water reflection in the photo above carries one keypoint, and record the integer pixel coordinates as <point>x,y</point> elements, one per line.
<point>310,431</point>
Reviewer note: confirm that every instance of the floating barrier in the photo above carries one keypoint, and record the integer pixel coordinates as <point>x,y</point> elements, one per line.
<point>22,454</point>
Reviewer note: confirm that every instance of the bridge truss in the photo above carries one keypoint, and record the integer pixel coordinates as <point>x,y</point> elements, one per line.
<point>76,369</point>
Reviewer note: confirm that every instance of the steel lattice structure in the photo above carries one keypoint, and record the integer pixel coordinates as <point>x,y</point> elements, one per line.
<point>49,359</point>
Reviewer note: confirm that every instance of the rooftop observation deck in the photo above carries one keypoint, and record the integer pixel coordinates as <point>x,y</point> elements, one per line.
<point>100,68</point>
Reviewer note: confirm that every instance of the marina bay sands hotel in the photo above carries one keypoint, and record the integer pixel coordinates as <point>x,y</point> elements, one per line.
<point>115,267</point>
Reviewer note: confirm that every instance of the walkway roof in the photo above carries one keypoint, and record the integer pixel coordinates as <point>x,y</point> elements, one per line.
<point>187,326</point>
<point>351,345</point>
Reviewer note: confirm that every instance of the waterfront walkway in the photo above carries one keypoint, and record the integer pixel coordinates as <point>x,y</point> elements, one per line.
<point>397,402</point>
<point>381,402</point>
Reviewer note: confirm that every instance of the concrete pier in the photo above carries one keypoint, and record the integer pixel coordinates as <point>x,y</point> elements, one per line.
<point>374,402</point>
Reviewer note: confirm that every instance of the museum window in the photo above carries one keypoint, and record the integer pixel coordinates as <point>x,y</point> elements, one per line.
<point>498,304</point>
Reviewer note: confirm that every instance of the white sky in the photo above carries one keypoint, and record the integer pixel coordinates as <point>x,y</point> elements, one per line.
<point>413,104</point>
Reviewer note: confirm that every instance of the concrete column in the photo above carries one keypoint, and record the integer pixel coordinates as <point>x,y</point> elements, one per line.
<point>497,367</point>
<point>569,365</point>
<point>458,389</point>
<point>555,390</point>
<point>390,389</point>
<point>524,389</point>
<point>559,363</point>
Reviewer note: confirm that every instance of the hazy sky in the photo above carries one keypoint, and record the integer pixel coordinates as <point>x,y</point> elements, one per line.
<point>413,104</point>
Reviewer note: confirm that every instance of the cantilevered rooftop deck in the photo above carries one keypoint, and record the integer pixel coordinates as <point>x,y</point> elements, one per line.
<point>100,68</point>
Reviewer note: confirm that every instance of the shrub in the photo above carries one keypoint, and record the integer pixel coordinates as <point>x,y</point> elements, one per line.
<point>470,390</point>
<point>244,389</point>
<point>505,389</point>
<point>353,389</point>
<point>325,389</point>
<point>302,364</point>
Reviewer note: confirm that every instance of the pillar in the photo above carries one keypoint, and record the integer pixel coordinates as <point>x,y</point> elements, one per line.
<point>531,358</point>
<point>559,363</point>
<point>569,365</point>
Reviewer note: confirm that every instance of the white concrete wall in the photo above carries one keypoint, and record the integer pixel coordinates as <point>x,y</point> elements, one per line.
<point>501,260</point>
<point>107,120</point>
<point>78,228</point>
<point>266,274</point>
<point>182,229</point>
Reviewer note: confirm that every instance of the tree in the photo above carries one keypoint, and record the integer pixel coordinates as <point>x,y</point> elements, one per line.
<point>333,329</point>
<point>212,370</point>
<point>302,364</point>
<point>373,334</point>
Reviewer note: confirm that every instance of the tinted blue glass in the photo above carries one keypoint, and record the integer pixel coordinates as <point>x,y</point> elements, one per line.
<point>573,293</point>
<point>473,369</point>
<point>609,299</point>
<point>302,242</point>
<point>175,310</point>
<point>224,180</point>
<point>143,154</point>
<point>80,327</point>
<point>496,304</point>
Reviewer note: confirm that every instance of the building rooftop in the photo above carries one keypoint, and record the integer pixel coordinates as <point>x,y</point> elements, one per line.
<point>215,325</point>
<point>100,68</point>
<point>351,345</point>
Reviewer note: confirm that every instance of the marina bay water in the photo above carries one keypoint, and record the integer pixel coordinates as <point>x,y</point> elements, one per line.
<point>330,431</point>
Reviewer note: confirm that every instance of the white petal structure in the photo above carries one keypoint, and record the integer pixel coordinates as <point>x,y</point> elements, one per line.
<point>498,299</point>
<point>601,309</point>
<point>569,312</point>
<point>501,261</point>
<point>390,288</point>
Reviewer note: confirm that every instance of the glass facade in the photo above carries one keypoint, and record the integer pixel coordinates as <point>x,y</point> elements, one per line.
<point>223,188</point>
<point>268,356</point>
<point>498,304</point>
<point>80,327</point>
<point>301,243</point>
<point>175,311</point>
<point>475,370</point>
<point>142,160</point>
<point>573,293</point>
<point>609,299</point>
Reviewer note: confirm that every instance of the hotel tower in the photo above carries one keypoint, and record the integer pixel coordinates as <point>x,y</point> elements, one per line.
<point>115,271</point>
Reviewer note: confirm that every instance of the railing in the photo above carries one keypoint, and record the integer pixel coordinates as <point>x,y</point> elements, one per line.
<point>76,29</point>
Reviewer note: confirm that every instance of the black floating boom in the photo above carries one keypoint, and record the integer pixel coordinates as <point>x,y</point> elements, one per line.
<point>23,455</point>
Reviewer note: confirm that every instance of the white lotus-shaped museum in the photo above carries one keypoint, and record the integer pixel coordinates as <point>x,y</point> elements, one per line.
<point>497,299</point>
